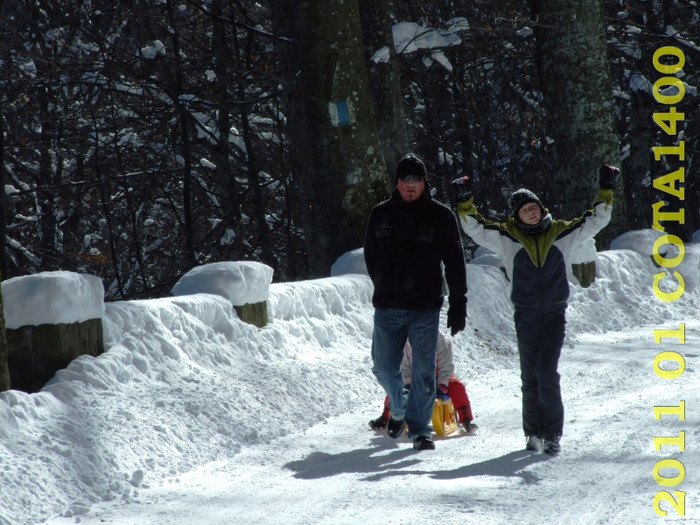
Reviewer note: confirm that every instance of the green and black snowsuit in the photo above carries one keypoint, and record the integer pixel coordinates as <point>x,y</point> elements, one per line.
<point>537,262</point>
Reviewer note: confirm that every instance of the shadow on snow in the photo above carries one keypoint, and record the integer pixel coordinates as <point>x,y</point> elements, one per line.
<point>388,458</point>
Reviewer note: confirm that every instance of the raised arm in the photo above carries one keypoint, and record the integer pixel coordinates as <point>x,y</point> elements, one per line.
<point>486,233</point>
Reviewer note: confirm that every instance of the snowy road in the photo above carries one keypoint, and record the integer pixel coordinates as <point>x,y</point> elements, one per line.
<point>340,472</point>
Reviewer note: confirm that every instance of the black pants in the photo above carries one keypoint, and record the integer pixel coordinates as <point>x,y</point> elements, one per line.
<point>540,338</point>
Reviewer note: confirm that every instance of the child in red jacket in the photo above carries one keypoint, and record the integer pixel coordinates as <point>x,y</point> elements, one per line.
<point>447,384</point>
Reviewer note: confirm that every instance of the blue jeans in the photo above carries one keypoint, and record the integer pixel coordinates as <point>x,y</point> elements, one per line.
<point>391,329</point>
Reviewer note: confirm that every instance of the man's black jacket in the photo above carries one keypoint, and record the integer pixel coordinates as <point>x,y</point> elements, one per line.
<point>406,244</point>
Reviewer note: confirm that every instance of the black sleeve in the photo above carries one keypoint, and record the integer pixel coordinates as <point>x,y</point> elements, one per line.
<point>369,245</point>
<point>455,266</point>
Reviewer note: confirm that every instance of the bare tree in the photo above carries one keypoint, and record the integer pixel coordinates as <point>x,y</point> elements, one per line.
<point>135,147</point>
<point>4,366</point>
<point>575,80</point>
<point>384,79</point>
<point>339,165</point>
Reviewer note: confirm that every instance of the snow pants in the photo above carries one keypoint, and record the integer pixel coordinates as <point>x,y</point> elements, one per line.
<point>540,339</point>
<point>458,394</point>
<point>391,329</point>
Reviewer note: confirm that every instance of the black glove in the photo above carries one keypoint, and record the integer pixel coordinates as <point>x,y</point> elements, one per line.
<point>608,174</point>
<point>462,189</point>
<point>457,316</point>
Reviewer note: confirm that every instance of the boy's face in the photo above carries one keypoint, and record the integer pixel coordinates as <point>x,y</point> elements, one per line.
<point>410,187</point>
<point>530,214</point>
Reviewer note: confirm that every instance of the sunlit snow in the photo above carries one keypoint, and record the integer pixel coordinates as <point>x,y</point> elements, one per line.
<point>192,416</point>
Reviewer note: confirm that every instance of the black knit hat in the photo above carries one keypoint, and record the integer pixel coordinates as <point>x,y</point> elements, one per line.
<point>411,164</point>
<point>520,198</point>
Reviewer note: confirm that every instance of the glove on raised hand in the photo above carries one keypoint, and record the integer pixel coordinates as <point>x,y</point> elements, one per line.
<point>608,175</point>
<point>462,189</point>
<point>457,316</point>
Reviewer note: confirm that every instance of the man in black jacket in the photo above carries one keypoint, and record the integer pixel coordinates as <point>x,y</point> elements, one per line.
<point>409,238</point>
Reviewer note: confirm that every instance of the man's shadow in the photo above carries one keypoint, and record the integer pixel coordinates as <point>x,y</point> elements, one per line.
<point>383,455</point>
<point>389,458</point>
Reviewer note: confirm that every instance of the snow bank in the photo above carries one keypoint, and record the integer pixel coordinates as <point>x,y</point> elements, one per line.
<point>52,298</point>
<point>243,282</point>
<point>184,382</point>
<point>350,262</point>
<point>640,241</point>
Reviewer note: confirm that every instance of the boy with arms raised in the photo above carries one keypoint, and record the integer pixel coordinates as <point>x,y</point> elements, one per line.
<point>534,249</point>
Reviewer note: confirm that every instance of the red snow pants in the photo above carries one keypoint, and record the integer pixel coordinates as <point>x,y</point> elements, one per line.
<point>458,394</point>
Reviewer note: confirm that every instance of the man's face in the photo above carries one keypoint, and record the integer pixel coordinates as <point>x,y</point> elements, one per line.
<point>530,214</point>
<point>410,187</point>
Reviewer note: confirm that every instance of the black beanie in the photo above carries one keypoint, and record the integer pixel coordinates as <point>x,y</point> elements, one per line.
<point>411,164</point>
<point>520,198</point>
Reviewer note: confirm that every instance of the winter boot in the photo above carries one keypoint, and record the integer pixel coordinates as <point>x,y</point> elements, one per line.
<point>470,428</point>
<point>533,443</point>
<point>551,446</point>
<point>395,427</point>
<point>378,423</point>
<point>423,443</point>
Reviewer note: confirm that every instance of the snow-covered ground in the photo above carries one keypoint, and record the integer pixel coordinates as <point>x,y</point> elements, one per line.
<point>194,417</point>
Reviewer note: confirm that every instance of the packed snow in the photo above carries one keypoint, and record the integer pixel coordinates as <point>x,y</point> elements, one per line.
<point>52,298</point>
<point>192,416</point>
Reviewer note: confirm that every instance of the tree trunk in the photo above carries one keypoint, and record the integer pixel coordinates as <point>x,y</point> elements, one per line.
<point>638,162</point>
<point>226,187</point>
<point>3,194</point>
<point>46,192</point>
<point>3,231</point>
<point>337,156</point>
<point>384,80</point>
<point>575,80</point>
<point>4,367</point>
<point>191,256</point>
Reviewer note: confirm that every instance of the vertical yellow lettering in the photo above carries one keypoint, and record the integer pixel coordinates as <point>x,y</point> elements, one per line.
<point>670,183</point>
<point>670,411</point>
<point>676,441</point>
<point>679,150</point>
<point>662,260</point>
<point>669,296</point>
<point>674,332</point>
<point>669,69</point>
<point>678,216</point>
<point>669,463</point>
<point>672,373</point>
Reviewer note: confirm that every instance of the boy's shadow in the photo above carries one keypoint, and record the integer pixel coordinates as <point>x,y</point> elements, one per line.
<point>386,459</point>
<point>510,465</point>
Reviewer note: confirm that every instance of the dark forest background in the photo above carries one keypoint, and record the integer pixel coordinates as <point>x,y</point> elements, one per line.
<point>142,137</point>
